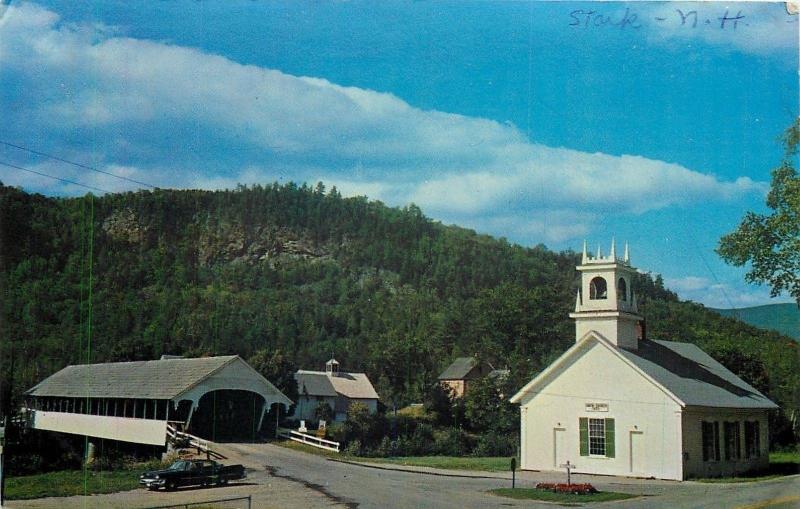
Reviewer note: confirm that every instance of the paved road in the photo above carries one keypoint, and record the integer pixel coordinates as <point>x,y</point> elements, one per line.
<point>353,486</point>
<point>284,478</point>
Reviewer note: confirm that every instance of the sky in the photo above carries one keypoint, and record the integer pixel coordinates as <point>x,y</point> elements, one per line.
<point>655,123</point>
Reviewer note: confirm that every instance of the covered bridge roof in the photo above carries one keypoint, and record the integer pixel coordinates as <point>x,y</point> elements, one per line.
<point>159,379</point>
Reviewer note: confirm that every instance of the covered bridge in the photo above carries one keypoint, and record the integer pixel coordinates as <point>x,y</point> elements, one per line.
<point>212,397</point>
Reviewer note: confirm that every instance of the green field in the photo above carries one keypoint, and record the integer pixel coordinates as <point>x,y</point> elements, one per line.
<point>70,482</point>
<point>549,496</point>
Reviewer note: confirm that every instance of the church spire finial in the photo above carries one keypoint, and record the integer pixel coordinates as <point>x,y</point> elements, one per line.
<point>578,302</point>
<point>613,254</point>
<point>585,256</point>
<point>599,253</point>
<point>626,257</point>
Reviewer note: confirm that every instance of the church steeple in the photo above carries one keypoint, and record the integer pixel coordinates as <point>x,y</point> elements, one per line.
<point>606,303</point>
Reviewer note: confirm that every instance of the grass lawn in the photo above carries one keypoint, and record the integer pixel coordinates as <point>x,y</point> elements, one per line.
<point>549,496</point>
<point>297,446</point>
<point>70,482</point>
<point>780,464</point>
<point>487,464</point>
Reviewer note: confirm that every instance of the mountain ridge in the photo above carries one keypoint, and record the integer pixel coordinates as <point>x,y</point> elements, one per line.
<point>306,272</point>
<point>781,317</point>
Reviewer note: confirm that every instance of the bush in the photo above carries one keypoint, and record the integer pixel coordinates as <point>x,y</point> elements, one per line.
<point>336,432</point>
<point>496,444</point>
<point>353,448</point>
<point>385,449</point>
<point>451,442</point>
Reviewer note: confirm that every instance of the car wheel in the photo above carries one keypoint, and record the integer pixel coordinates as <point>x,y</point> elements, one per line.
<point>170,485</point>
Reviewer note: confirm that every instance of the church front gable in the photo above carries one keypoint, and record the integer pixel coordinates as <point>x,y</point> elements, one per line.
<point>597,412</point>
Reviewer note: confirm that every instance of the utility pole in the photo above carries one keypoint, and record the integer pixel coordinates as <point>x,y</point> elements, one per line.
<point>2,443</point>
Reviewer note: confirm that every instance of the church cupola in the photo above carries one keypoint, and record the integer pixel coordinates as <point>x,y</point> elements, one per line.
<point>606,303</point>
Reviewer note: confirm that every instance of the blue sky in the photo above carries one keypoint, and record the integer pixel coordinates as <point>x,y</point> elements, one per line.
<point>542,122</point>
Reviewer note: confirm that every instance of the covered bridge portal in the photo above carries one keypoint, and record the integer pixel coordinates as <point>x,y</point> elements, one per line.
<point>213,397</point>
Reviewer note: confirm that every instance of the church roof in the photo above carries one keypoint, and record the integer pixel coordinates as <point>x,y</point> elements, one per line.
<point>693,376</point>
<point>161,379</point>
<point>350,385</point>
<point>684,371</point>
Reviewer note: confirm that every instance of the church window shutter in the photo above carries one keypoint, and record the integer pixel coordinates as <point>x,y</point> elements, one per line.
<point>583,426</point>
<point>610,438</point>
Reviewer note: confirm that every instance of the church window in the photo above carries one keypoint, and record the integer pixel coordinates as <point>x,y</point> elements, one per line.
<point>733,450</point>
<point>598,288</point>
<point>752,439</point>
<point>596,437</point>
<point>710,441</point>
<point>622,289</point>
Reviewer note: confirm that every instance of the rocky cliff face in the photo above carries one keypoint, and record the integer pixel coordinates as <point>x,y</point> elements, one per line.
<point>269,244</point>
<point>226,241</point>
<point>124,226</point>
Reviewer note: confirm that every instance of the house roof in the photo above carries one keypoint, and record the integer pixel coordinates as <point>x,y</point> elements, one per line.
<point>459,368</point>
<point>499,373</point>
<point>684,371</point>
<point>161,379</point>
<point>351,385</point>
<point>314,384</point>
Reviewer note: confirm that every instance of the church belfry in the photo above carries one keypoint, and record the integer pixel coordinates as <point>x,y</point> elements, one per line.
<point>606,302</point>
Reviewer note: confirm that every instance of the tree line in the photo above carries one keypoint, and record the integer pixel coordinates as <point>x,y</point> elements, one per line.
<point>305,272</point>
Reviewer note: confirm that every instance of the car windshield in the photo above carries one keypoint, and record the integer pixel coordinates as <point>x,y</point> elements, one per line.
<point>179,465</point>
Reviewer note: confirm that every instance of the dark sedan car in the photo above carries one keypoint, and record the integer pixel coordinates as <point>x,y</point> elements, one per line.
<point>191,473</point>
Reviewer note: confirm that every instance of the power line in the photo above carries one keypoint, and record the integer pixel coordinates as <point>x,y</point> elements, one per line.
<point>52,177</point>
<point>73,163</point>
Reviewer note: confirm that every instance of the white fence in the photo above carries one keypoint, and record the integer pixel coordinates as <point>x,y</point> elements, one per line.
<point>304,438</point>
<point>199,443</point>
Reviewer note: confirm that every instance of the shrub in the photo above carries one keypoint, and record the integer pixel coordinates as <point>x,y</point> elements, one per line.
<point>353,448</point>
<point>451,442</point>
<point>496,444</point>
<point>385,449</point>
<point>336,432</point>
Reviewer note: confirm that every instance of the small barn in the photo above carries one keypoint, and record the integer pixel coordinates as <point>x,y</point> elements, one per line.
<point>335,388</point>
<point>211,397</point>
<point>463,371</point>
<point>617,403</point>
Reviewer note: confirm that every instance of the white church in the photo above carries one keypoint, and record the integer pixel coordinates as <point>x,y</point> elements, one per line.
<point>617,403</point>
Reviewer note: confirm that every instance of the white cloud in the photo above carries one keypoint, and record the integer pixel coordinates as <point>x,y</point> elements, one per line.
<point>722,295</point>
<point>133,96</point>
<point>687,283</point>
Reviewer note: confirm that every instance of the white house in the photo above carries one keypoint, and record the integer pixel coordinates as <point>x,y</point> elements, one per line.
<point>335,388</point>
<point>617,403</point>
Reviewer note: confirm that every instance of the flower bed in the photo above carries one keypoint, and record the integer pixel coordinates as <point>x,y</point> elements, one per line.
<point>577,489</point>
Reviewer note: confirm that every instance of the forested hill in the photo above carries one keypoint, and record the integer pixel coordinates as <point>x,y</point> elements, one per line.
<point>784,318</point>
<point>305,271</point>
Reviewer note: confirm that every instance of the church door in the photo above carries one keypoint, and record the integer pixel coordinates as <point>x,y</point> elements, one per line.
<point>559,448</point>
<point>637,452</point>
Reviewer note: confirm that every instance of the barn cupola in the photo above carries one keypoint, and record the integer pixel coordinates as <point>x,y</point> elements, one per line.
<point>606,302</point>
<point>332,367</point>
